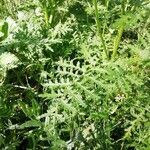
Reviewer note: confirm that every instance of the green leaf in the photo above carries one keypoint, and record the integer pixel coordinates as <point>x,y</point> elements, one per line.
<point>31,123</point>
<point>4,30</point>
<point>25,108</point>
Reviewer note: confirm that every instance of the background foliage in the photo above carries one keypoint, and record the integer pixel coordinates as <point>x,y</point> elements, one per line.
<point>75,74</point>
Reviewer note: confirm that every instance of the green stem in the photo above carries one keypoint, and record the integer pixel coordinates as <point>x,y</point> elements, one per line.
<point>49,12</point>
<point>117,41</point>
<point>46,15</point>
<point>120,31</point>
<point>99,31</point>
<point>46,12</point>
<point>123,6</point>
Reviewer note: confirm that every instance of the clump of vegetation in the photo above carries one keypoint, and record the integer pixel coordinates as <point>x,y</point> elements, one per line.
<point>75,74</point>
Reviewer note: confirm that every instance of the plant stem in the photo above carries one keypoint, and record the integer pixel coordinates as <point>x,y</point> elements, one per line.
<point>123,6</point>
<point>46,12</point>
<point>117,41</point>
<point>99,31</point>
<point>46,16</point>
<point>120,31</point>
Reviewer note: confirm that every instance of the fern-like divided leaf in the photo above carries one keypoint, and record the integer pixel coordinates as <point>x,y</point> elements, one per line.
<point>101,90</point>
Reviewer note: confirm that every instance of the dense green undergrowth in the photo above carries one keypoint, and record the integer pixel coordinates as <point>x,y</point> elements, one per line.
<point>74,75</point>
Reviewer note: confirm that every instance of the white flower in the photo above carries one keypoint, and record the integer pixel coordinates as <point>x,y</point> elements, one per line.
<point>21,15</point>
<point>12,24</point>
<point>1,34</point>
<point>145,54</point>
<point>8,60</point>
<point>38,11</point>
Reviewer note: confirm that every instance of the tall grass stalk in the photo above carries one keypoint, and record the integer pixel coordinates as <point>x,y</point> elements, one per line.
<point>120,31</point>
<point>99,30</point>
